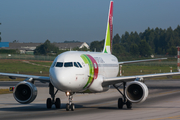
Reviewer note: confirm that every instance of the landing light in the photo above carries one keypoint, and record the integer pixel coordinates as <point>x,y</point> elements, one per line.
<point>67,93</point>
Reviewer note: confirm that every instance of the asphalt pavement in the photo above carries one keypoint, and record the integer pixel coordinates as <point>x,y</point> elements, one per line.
<point>163,102</point>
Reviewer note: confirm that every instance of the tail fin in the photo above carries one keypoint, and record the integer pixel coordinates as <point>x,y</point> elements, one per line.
<point>109,31</point>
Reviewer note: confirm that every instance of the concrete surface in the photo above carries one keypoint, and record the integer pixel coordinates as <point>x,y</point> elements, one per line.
<point>163,102</point>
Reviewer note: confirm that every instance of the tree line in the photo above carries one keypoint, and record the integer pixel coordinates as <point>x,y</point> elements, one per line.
<point>152,41</point>
<point>47,48</point>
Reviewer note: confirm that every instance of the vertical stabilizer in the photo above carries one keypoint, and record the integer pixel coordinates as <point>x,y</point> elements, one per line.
<point>109,31</point>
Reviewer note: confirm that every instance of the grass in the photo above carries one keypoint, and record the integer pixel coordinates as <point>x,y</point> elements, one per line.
<point>47,63</point>
<point>136,70</point>
<point>5,91</point>
<point>18,66</point>
<point>149,68</point>
<point>15,66</point>
<point>21,67</point>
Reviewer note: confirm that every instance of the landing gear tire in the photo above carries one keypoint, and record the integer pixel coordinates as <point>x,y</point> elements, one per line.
<point>120,103</point>
<point>58,103</point>
<point>49,103</point>
<point>67,107</point>
<point>72,107</point>
<point>129,104</point>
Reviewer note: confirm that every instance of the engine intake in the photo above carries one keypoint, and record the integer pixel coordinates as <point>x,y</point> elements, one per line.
<point>25,92</point>
<point>136,92</point>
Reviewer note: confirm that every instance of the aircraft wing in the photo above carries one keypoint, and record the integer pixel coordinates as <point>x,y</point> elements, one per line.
<point>137,61</point>
<point>13,76</point>
<point>115,80</point>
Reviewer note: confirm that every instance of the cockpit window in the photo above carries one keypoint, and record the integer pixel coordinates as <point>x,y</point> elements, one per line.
<point>68,64</point>
<point>79,65</point>
<point>59,64</point>
<point>75,64</point>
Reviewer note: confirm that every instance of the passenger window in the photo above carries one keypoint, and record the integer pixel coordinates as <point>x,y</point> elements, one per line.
<point>75,64</point>
<point>59,64</point>
<point>79,64</point>
<point>68,64</point>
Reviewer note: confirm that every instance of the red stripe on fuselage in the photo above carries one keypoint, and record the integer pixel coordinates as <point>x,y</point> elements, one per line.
<point>95,65</point>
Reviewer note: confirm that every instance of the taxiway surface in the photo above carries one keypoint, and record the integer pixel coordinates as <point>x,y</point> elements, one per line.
<point>163,102</point>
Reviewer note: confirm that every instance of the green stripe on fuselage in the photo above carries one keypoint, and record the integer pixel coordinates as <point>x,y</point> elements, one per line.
<point>88,61</point>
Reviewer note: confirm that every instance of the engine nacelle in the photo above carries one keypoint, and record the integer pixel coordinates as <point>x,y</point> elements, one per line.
<point>97,85</point>
<point>136,92</point>
<point>25,92</point>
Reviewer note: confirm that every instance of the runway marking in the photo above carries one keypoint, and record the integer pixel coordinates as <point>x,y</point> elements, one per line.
<point>164,118</point>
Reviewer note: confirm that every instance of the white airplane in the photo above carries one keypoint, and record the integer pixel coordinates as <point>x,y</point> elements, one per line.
<point>86,72</point>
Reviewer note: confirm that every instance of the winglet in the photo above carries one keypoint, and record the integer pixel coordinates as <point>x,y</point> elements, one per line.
<point>109,31</point>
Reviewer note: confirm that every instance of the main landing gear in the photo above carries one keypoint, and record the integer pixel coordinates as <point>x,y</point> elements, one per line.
<point>51,101</point>
<point>70,105</point>
<point>123,101</point>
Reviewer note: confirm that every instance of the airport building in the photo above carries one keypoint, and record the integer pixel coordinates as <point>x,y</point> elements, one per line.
<point>28,48</point>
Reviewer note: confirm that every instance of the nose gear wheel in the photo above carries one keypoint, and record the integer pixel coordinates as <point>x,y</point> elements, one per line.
<point>70,105</point>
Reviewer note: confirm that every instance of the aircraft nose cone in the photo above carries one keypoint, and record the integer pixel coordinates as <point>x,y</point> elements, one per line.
<point>62,79</point>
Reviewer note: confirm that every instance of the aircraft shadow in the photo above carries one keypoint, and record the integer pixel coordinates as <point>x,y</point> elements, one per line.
<point>30,107</point>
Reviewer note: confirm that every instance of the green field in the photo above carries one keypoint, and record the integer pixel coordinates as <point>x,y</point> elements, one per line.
<point>21,67</point>
<point>27,67</point>
<point>149,68</point>
<point>47,63</point>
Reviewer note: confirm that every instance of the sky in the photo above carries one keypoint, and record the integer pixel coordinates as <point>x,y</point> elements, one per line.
<point>82,20</point>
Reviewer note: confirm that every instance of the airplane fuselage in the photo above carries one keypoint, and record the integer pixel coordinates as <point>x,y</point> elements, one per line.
<point>74,71</point>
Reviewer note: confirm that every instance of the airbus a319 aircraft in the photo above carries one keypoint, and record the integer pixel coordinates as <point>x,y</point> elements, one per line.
<point>86,72</point>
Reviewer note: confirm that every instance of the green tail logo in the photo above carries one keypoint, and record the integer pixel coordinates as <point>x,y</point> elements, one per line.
<point>109,31</point>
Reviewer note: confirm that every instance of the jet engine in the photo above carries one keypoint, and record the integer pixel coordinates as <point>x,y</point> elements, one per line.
<point>136,92</point>
<point>25,92</point>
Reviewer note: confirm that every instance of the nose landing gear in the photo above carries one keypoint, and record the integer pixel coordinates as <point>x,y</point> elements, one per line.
<point>70,105</point>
